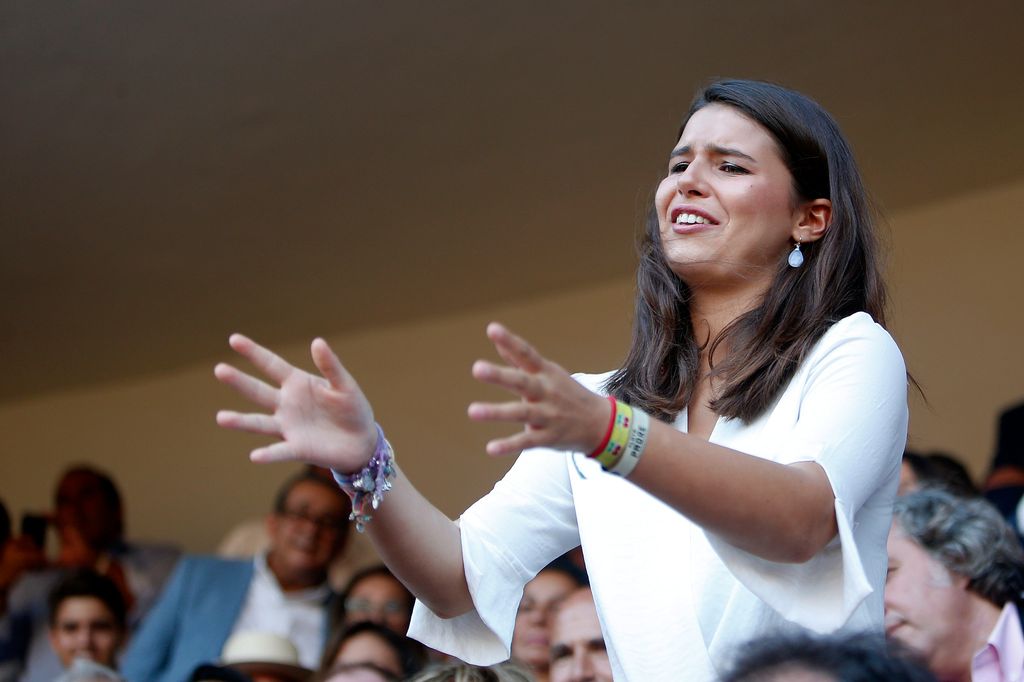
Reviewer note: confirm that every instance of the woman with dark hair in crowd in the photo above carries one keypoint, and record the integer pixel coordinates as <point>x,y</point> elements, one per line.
<point>734,477</point>
<point>368,643</point>
<point>374,594</point>
<point>531,637</point>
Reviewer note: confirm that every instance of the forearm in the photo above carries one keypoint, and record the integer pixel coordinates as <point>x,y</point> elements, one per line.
<point>778,512</point>
<point>422,547</point>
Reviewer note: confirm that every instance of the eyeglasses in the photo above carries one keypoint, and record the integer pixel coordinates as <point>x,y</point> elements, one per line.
<point>388,608</point>
<point>328,523</point>
<point>528,607</point>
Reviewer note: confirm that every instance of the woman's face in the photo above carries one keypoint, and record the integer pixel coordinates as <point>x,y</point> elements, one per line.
<point>367,647</point>
<point>727,210</point>
<point>380,599</point>
<point>531,639</point>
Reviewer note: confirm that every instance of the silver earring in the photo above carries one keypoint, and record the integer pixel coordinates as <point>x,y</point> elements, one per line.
<point>796,259</point>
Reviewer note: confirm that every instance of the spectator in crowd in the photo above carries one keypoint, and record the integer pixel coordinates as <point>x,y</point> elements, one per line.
<point>249,538</point>
<point>87,619</point>
<point>531,639</point>
<point>369,642</point>
<point>376,595</point>
<point>935,470</point>
<point>956,574</point>
<point>464,672</point>
<point>282,591</point>
<point>1004,485</point>
<point>801,657</point>
<point>578,650</point>
<point>356,672</point>
<point>88,518</point>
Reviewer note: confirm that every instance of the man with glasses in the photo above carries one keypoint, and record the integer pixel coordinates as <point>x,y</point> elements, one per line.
<point>283,591</point>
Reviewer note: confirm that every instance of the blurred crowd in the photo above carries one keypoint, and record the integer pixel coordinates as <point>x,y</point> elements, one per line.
<point>294,598</point>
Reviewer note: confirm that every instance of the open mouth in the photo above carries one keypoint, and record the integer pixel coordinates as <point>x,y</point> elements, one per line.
<point>691,216</point>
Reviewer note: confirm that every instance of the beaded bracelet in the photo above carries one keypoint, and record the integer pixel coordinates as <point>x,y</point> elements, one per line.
<point>366,487</point>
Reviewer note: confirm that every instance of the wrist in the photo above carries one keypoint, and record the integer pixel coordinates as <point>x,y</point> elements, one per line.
<point>625,439</point>
<point>367,486</point>
<point>608,424</point>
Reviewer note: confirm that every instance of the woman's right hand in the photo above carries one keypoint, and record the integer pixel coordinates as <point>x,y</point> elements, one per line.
<point>323,420</point>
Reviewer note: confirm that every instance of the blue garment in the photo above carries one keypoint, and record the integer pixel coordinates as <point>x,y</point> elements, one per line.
<point>190,623</point>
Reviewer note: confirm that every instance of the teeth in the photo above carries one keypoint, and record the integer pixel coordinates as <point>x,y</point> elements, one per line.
<point>690,219</point>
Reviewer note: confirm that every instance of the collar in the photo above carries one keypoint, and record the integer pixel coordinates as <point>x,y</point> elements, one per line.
<point>1004,649</point>
<point>318,594</point>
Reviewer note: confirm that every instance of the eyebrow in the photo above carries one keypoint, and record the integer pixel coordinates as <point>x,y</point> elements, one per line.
<point>714,149</point>
<point>560,651</point>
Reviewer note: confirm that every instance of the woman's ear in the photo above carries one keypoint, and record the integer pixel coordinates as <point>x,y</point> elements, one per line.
<point>814,218</point>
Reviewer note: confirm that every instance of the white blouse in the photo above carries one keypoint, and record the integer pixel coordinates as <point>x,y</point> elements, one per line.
<point>675,601</point>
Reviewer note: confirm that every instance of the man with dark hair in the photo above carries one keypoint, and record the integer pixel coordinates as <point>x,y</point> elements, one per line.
<point>88,518</point>
<point>578,651</point>
<point>956,574</point>
<point>935,470</point>
<point>281,591</point>
<point>87,619</point>
<point>840,658</point>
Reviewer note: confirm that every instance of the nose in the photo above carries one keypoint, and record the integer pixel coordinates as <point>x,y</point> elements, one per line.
<point>539,616</point>
<point>886,602</point>
<point>84,641</point>
<point>692,182</point>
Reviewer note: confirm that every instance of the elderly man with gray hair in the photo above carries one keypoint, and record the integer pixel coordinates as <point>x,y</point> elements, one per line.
<point>955,579</point>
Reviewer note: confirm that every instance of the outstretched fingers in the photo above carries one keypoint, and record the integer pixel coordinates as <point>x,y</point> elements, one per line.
<point>329,365</point>
<point>268,362</point>
<point>513,445</point>
<point>251,422</point>
<point>514,349</point>
<point>520,411</point>
<point>261,393</point>
<point>277,452</point>
<point>515,380</point>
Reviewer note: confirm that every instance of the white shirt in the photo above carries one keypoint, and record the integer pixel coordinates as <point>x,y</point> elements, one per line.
<point>298,616</point>
<point>675,601</point>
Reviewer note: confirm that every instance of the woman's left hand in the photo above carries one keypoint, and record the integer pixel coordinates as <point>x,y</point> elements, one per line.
<point>555,410</point>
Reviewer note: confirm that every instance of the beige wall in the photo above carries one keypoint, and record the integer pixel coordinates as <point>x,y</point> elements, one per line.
<point>185,479</point>
<point>957,286</point>
<point>958,312</point>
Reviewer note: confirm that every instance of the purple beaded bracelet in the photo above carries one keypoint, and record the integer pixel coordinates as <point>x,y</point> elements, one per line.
<point>367,486</point>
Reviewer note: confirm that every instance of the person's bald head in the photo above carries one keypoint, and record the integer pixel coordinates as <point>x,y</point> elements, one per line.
<point>578,651</point>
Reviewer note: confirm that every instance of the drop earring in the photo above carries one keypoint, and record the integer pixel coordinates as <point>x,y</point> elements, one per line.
<point>796,259</point>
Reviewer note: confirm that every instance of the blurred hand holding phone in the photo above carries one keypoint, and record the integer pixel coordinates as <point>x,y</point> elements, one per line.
<point>33,527</point>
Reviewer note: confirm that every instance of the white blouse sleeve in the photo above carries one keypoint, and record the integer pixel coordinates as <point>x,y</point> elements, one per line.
<point>852,420</point>
<point>508,536</point>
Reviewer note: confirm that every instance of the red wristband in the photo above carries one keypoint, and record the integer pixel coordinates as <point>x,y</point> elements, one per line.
<point>608,431</point>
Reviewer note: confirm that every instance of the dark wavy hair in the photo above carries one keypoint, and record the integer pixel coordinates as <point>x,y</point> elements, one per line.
<point>860,657</point>
<point>840,274</point>
<point>411,655</point>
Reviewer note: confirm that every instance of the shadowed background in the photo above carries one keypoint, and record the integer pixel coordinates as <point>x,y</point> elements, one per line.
<point>392,175</point>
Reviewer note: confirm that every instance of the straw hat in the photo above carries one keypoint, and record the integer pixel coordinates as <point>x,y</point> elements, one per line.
<point>263,653</point>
